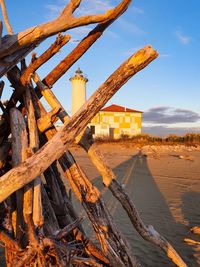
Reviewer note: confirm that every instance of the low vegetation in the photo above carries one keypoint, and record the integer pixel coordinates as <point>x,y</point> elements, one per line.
<point>192,139</point>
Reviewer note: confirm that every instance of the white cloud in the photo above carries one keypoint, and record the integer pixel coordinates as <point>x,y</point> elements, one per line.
<point>184,39</point>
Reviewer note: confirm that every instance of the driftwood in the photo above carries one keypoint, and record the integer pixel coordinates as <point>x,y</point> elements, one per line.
<point>37,163</point>
<point>109,179</point>
<point>39,225</point>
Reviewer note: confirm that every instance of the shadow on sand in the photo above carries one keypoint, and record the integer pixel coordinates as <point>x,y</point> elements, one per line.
<point>153,208</point>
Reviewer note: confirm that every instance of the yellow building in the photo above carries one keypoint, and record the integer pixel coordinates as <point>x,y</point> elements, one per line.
<point>115,121</point>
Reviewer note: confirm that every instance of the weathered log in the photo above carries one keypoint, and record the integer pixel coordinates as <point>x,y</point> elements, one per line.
<point>38,217</point>
<point>32,125</point>
<point>7,63</point>
<point>34,65</point>
<point>11,243</point>
<point>19,154</point>
<point>65,64</point>
<point>110,238</point>
<point>56,199</point>
<point>83,46</point>
<point>111,241</point>
<point>195,230</point>
<point>51,99</point>
<point>97,211</point>
<point>4,153</point>
<point>51,224</point>
<point>85,262</point>
<point>54,103</point>
<point>33,195</point>
<point>45,156</point>
<point>23,79</point>
<point>67,208</point>
<point>134,64</point>
<point>191,241</point>
<point>45,122</point>
<point>64,22</point>
<point>19,140</point>
<point>68,229</point>
<point>79,233</point>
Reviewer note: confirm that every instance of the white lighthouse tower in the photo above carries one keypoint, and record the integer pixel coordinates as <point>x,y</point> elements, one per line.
<point>78,90</point>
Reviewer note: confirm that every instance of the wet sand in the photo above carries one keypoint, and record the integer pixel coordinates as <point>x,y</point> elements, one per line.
<point>164,183</point>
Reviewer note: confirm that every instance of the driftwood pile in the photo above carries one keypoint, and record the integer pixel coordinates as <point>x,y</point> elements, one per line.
<point>38,224</point>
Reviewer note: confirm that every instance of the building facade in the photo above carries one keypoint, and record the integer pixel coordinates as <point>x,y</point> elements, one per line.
<point>115,121</point>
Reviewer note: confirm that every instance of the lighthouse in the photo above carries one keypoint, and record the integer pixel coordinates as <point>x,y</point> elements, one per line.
<point>78,90</point>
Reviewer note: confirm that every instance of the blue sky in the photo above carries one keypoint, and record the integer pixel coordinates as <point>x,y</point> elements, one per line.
<point>167,90</point>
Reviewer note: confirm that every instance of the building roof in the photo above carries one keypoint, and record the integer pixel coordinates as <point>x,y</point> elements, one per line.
<point>117,108</point>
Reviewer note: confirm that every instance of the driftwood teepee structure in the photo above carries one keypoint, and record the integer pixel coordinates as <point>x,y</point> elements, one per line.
<point>38,223</point>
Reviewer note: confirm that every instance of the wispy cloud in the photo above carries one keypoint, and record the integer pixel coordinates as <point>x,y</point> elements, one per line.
<point>112,34</point>
<point>183,39</point>
<point>79,33</point>
<point>86,7</point>
<point>132,50</point>
<point>93,7</point>
<point>168,115</point>
<point>130,27</point>
<point>137,10</point>
<point>164,55</point>
<point>53,10</point>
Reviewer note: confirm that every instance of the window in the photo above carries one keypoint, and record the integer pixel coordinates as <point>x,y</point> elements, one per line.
<point>127,119</point>
<point>105,119</point>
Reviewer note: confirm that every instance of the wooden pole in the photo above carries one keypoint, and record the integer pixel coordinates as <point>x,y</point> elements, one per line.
<point>19,154</point>
<point>33,194</point>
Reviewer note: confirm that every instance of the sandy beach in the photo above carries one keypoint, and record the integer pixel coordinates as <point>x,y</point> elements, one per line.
<point>164,182</point>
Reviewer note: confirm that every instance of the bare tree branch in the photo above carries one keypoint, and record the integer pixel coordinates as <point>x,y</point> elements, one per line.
<point>5,17</point>
<point>64,22</point>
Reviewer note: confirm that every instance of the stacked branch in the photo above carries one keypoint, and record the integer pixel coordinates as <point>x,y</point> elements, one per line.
<point>39,225</point>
